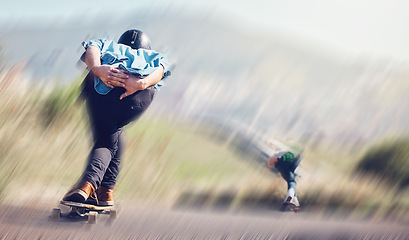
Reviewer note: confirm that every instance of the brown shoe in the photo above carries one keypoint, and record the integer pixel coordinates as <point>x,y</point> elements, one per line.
<point>105,196</point>
<point>92,199</point>
<point>80,193</point>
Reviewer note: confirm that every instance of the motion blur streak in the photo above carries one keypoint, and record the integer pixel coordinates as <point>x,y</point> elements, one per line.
<point>249,79</point>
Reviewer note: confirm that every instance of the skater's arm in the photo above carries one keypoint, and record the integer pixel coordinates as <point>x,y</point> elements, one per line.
<point>134,83</point>
<point>93,57</point>
<point>272,162</point>
<point>108,74</point>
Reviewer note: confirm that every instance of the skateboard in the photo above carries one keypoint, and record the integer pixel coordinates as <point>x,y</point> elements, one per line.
<point>83,212</point>
<point>290,207</point>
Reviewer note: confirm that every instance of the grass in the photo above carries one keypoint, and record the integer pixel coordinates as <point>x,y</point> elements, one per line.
<point>46,140</point>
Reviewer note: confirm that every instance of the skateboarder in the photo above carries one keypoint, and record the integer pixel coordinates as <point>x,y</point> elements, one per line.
<point>121,85</point>
<point>286,163</point>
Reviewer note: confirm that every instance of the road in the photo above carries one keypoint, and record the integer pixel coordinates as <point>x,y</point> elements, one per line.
<point>150,222</point>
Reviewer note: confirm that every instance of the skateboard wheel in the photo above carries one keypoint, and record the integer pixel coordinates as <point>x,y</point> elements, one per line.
<point>56,214</point>
<point>112,214</point>
<point>92,217</point>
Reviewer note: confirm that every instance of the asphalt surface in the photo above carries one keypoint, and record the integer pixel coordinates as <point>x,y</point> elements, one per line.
<point>150,222</point>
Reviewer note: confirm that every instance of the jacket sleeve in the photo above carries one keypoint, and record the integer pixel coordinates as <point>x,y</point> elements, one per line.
<point>96,42</point>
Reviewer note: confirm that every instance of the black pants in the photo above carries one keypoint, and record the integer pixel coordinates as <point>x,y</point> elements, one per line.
<point>108,115</point>
<point>287,170</point>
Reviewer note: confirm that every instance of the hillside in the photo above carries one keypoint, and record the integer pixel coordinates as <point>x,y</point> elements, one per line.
<point>266,80</point>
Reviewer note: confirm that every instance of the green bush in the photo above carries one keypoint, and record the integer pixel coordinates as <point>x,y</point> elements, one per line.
<point>60,102</point>
<point>389,160</point>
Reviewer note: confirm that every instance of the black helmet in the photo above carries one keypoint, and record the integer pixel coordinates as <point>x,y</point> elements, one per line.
<point>135,39</point>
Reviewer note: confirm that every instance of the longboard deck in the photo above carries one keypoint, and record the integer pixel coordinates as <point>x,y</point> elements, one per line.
<point>290,207</point>
<point>82,212</point>
<point>86,206</point>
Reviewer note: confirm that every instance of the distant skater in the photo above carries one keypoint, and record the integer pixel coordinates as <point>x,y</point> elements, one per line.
<point>286,162</point>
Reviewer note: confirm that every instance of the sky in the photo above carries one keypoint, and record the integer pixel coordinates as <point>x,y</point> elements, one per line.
<point>378,28</point>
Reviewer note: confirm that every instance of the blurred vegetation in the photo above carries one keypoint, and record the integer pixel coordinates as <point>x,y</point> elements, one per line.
<point>59,103</point>
<point>388,159</point>
<point>46,141</point>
